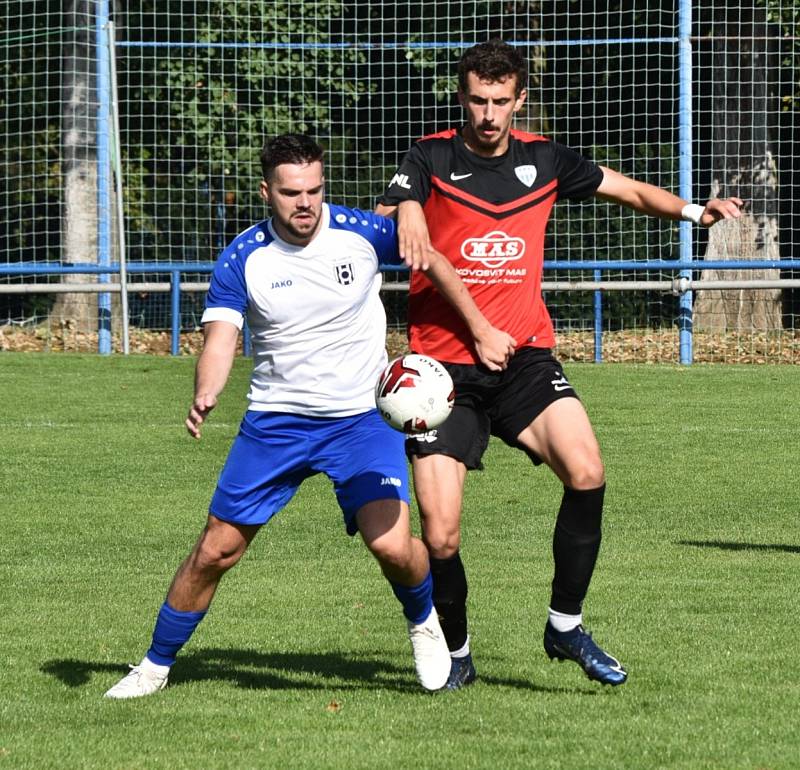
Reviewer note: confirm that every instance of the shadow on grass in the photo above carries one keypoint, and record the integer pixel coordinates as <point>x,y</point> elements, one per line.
<point>724,545</point>
<point>254,670</point>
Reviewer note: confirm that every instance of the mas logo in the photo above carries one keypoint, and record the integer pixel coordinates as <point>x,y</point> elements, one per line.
<point>494,249</point>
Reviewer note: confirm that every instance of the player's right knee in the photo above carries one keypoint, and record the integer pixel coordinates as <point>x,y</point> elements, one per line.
<point>391,553</point>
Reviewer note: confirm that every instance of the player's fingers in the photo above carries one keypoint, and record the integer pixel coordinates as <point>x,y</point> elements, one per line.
<point>419,252</point>
<point>729,211</point>
<point>725,209</point>
<point>407,250</point>
<point>403,246</point>
<point>418,256</point>
<point>413,262</point>
<point>192,427</point>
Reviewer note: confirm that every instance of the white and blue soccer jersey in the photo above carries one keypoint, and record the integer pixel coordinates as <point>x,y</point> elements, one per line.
<point>317,323</point>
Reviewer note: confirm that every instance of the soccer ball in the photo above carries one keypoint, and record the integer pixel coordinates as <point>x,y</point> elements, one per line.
<point>414,394</point>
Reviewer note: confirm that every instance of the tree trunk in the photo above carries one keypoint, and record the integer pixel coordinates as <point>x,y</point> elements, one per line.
<point>744,166</point>
<point>79,226</point>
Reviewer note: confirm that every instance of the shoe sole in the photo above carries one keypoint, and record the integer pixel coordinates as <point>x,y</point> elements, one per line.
<point>134,696</point>
<point>555,654</point>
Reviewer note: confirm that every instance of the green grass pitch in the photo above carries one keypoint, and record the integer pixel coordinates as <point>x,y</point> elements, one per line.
<point>303,660</point>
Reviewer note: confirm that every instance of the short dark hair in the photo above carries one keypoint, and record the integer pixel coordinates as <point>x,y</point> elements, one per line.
<point>493,60</point>
<point>289,148</point>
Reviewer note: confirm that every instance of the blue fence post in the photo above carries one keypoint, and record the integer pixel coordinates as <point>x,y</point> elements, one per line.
<point>103,173</point>
<point>598,321</point>
<point>685,170</point>
<point>175,310</point>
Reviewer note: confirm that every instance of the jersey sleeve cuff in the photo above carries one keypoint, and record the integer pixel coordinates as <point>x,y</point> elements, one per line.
<point>223,314</point>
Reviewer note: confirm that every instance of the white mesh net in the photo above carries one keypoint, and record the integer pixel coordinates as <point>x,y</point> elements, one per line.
<point>200,86</point>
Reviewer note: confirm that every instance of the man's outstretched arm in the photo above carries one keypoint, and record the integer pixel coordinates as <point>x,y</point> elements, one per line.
<point>657,202</point>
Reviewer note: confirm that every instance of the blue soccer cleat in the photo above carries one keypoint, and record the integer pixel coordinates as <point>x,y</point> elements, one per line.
<point>462,673</point>
<point>579,646</point>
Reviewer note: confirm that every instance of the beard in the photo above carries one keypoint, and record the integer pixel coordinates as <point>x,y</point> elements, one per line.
<point>305,229</point>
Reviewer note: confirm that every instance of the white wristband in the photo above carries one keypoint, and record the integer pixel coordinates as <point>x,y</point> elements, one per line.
<point>691,212</point>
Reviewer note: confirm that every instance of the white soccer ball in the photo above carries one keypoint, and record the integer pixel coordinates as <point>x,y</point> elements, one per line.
<point>414,393</point>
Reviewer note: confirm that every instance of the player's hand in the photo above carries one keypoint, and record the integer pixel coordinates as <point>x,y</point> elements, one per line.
<point>717,209</point>
<point>201,406</point>
<point>413,239</point>
<point>495,348</point>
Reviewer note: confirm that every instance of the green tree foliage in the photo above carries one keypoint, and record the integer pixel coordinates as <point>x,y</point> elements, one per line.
<point>208,93</point>
<point>786,15</point>
<point>29,125</point>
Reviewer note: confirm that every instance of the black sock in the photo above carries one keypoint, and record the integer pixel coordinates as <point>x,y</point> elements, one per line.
<point>576,543</point>
<point>450,599</point>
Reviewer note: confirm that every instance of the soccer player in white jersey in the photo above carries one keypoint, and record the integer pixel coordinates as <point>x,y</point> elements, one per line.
<point>308,281</point>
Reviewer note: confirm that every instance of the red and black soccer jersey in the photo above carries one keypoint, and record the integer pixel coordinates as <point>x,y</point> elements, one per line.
<point>488,216</point>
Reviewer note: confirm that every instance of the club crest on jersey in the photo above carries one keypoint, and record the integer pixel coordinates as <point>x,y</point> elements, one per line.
<point>526,174</point>
<point>344,273</point>
<point>494,249</point>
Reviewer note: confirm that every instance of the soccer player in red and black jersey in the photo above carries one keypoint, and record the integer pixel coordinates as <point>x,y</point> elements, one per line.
<point>482,195</point>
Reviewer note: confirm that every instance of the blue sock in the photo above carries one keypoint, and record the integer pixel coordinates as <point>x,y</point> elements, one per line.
<point>417,601</point>
<point>172,631</point>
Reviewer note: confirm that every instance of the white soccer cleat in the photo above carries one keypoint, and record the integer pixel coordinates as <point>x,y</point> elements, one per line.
<point>431,656</point>
<point>144,679</point>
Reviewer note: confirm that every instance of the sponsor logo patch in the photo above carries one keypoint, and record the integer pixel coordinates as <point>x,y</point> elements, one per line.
<point>428,437</point>
<point>493,249</point>
<point>401,180</point>
<point>560,382</point>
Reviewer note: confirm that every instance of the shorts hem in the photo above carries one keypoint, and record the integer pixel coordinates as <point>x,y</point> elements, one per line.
<point>531,416</point>
<point>234,520</point>
<point>432,451</point>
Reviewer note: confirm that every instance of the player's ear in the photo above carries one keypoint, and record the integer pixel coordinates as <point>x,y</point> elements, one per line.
<point>523,95</point>
<point>462,98</point>
<point>263,190</point>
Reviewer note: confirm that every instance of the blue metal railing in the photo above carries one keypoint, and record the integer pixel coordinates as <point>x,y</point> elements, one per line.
<point>176,269</point>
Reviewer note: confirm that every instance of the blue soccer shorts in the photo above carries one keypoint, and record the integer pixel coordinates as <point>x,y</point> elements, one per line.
<point>275,452</point>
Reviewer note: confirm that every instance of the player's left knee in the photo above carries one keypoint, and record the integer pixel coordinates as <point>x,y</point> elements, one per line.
<point>588,474</point>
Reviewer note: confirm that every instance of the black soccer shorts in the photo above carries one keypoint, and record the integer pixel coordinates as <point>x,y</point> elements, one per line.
<point>498,404</point>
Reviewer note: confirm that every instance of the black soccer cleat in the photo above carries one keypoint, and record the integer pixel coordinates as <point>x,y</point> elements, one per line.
<point>462,673</point>
<point>579,646</point>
